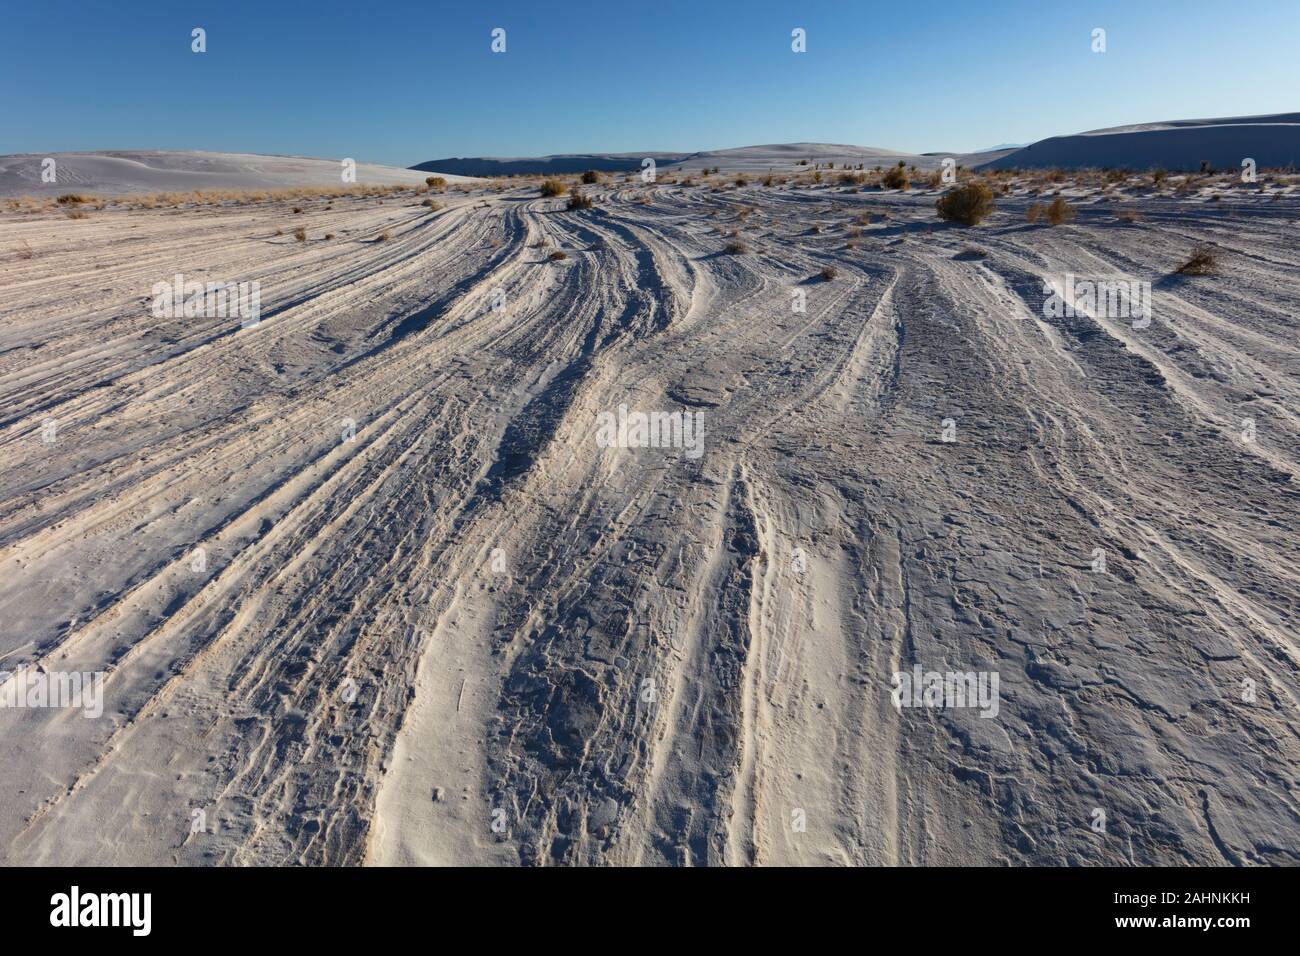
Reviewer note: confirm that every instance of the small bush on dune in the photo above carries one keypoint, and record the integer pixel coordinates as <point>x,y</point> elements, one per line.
<point>968,205</point>
<point>737,247</point>
<point>1203,262</point>
<point>71,199</point>
<point>828,273</point>
<point>1060,212</point>
<point>431,204</point>
<point>895,178</point>
<point>578,201</point>
<point>383,236</point>
<point>591,177</point>
<point>552,187</point>
<point>1034,213</point>
<point>557,255</point>
<point>436,182</point>
<point>300,234</point>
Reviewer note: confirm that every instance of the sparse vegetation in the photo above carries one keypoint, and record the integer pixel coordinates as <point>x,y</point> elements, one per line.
<point>737,247</point>
<point>591,177</point>
<point>436,182</point>
<point>72,199</point>
<point>1034,213</point>
<point>433,206</point>
<point>828,273</point>
<point>552,187</point>
<point>968,205</point>
<point>1204,261</point>
<point>557,255</point>
<point>578,200</point>
<point>895,178</point>
<point>1059,211</point>
<point>384,236</point>
<point>300,234</point>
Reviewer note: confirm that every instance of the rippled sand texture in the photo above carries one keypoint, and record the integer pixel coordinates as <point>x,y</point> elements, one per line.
<point>469,614</point>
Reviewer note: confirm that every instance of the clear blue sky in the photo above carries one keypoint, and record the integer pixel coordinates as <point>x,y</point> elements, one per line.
<point>401,82</point>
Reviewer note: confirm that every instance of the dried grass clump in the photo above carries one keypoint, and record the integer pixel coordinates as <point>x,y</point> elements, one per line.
<point>557,255</point>
<point>591,177</point>
<point>1204,261</point>
<point>828,273</point>
<point>72,199</point>
<point>433,206</point>
<point>300,234</point>
<point>435,182</point>
<point>895,178</point>
<point>737,247</point>
<point>552,187</point>
<point>1059,212</point>
<point>968,205</point>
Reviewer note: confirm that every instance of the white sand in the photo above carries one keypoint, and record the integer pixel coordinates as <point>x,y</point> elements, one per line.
<point>519,684</point>
<point>117,172</point>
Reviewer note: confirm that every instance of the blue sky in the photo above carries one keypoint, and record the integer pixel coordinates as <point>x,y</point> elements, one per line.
<point>403,82</point>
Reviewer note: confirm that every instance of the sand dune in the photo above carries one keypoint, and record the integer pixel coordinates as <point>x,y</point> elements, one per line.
<point>436,621</point>
<point>782,157</point>
<point>1272,140</point>
<point>117,172</point>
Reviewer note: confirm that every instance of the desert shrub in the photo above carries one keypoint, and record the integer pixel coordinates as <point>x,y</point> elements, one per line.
<point>71,199</point>
<point>578,201</point>
<point>329,235</point>
<point>431,204</point>
<point>737,247</point>
<point>384,236</point>
<point>76,214</point>
<point>552,187</point>
<point>968,204</point>
<point>436,182</point>
<point>591,177</point>
<point>934,180</point>
<point>828,273</point>
<point>895,178</point>
<point>1060,211</point>
<point>297,209</point>
<point>557,255</point>
<point>1204,261</point>
<point>742,181</point>
<point>300,234</point>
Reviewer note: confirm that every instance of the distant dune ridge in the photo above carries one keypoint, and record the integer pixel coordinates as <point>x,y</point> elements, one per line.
<point>1272,140</point>
<point>1176,145</point>
<point>116,172</point>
